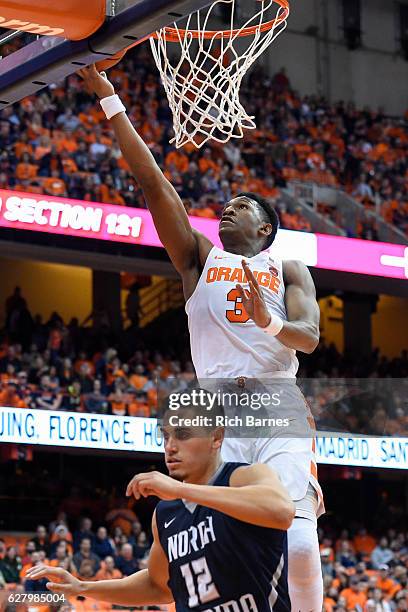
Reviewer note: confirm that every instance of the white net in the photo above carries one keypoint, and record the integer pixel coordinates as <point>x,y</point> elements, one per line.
<point>202,69</point>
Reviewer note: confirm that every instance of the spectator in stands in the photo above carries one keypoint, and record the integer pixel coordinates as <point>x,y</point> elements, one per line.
<point>380,603</point>
<point>72,400</point>
<point>23,387</point>
<point>60,554</point>
<point>126,562</point>
<point>41,539</point>
<point>117,534</point>
<point>87,569</point>
<point>29,549</point>
<point>14,304</point>
<point>13,357</point>
<point>55,185</point>
<point>108,571</point>
<point>142,546</point>
<point>354,595</point>
<point>387,585</point>
<point>96,401</point>
<point>102,546</point>
<point>119,398</point>
<point>66,372</point>
<point>10,397</point>
<point>9,375</point>
<point>86,377</point>
<point>84,531</point>
<point>363,189</point>
<point>33,586</point>
<point>10,566</point>
<point>54,379</point>
<point>85,553</point>
<point>364,543</point>
<point>97,149</point>
<point>138,380</point>
<point>136,530</point>
<point>68,120</point>
<point>401,602</point>
<point>46,398</point>
<point>119,538</point>
<point>33,558</point>
<point>327,564</point>
<point>203,209</point>
<point>20,326</point>
<point>345,555</point>
<point>61,519</point>
<point>61,534</point>
<point>382,554</point>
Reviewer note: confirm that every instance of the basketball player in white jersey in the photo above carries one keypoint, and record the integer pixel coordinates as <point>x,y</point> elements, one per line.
<point>248,314</point>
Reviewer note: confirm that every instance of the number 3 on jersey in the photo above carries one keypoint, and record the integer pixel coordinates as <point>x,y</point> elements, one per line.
<point>237,314</point>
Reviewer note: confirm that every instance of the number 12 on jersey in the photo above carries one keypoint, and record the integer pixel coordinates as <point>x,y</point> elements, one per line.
<point>199,582</point>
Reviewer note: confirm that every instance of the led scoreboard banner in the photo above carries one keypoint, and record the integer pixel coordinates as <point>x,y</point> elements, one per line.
<point>107,432</point>
<point>63,216</point>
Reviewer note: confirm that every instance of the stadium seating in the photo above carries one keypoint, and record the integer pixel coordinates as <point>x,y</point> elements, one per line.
<point>358,567</point>
<point>60,144</point>
<point>55,365</point>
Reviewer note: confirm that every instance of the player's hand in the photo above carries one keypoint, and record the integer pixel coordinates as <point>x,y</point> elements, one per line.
<point>61,581</point>
<point>96,82</point>
<point>252,299</point>
<point>154,483</point>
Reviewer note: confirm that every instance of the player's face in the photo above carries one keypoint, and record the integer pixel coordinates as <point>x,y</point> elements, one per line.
<point>190,452</point>
<point>241,221</point>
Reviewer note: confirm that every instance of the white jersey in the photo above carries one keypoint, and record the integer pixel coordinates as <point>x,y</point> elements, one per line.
<point>225,343</point>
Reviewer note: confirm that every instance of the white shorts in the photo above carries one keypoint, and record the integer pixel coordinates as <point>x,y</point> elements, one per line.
<point>287,448</point>
<point>291,458</point>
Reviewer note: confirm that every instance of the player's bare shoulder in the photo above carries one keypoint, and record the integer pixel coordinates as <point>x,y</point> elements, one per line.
<point>257,473</point>
<point>191,273</point>
<point>204,246</point>
<point>295,272</point>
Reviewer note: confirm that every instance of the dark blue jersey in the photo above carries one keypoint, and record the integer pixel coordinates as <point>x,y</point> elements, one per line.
<point>218,563</point>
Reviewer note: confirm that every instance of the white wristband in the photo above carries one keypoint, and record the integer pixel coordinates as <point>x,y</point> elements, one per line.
<point>274,327</point>
<point>112,105</point>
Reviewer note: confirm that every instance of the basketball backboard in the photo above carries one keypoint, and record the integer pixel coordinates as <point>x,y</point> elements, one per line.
<point>52,58</point>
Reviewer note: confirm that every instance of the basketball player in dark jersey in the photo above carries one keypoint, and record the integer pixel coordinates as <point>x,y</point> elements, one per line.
<point>220,539</point>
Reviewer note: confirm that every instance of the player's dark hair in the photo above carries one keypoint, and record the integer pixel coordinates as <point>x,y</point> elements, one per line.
<point>269,214</point>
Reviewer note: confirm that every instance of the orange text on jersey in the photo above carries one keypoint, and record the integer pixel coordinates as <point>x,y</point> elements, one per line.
<point>236,275</point>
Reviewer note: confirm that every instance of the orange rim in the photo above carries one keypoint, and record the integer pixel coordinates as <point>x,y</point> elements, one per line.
<point>174,35</point>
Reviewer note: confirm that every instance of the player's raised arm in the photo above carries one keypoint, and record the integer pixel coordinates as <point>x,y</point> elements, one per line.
<point>147,587</point>
<point>255,495</point>
<point>164,203</point>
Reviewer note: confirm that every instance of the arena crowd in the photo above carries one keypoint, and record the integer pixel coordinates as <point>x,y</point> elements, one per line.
<point>362,571</point>
<point>57,365</point>
<point>58,143</point>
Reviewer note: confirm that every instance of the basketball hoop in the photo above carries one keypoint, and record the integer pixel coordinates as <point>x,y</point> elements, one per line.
<point>202,69</point>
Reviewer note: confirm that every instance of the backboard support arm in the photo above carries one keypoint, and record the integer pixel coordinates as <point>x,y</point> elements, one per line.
<point>51,59</point>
